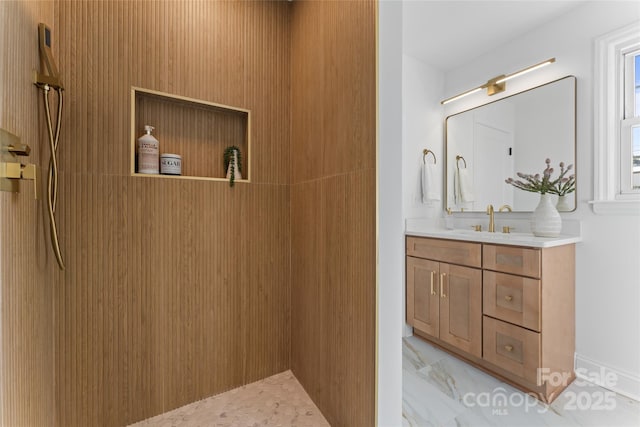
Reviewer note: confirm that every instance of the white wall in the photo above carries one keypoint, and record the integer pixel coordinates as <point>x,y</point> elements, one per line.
<point>608,259</point>
<point>390,225</point>
<point>422,127</point>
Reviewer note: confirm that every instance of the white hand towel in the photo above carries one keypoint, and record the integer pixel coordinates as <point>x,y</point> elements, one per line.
<point>463,186</point>
<point>430,190</point>
<point>456,187</point>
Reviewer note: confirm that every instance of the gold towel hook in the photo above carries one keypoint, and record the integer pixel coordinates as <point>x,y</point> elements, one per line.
<point>458,158</point>
<point>424,155</point>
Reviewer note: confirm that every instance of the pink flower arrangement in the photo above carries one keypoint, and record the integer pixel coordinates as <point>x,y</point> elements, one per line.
<point>561,186</point>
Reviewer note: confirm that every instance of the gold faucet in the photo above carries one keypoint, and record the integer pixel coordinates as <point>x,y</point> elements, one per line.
<point>505,207</point>
<point>492,224</point>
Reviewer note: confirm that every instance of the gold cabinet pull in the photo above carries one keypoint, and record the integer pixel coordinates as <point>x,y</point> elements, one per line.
<point>508,347</point>
<point>433,279</point>
<point>508,297</point>
<point>442,276</point>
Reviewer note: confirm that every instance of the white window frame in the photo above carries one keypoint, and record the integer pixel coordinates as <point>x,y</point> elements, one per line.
<point>630,120</point>
<point>611,196</point>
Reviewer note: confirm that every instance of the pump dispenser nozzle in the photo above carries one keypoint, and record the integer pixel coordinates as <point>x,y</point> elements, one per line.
<point>148,128</point>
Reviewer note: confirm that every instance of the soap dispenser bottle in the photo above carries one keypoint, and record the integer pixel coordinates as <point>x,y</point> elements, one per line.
<point>148,153</point>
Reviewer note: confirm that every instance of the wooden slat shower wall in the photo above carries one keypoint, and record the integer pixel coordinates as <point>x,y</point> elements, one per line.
<point>26,287</point>
<point>333,207</point>
<point>175,290</point>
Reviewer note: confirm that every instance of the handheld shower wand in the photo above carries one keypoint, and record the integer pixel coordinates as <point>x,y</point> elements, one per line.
<point>46,83</point>
<point>52,78</point>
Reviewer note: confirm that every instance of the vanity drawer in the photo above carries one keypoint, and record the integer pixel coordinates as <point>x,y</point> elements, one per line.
<point>514,299</point>
<point>514,260</point>
<point>453,252</point>
<point>512,348</point>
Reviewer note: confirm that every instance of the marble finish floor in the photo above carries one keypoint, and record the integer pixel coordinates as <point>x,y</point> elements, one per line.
<point>278,400</point>
<point>441,390</point>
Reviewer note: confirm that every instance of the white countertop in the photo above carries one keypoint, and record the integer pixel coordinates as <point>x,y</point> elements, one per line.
<point>422,228</point>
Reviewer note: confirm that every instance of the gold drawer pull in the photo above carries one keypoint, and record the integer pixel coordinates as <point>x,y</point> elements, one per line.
<point>508,347</point>
<point>508,297</point>
<point>433,279</point>
<point>442,276</point>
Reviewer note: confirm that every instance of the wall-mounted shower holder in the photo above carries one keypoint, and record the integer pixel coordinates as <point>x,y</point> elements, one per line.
<point>41,80</point>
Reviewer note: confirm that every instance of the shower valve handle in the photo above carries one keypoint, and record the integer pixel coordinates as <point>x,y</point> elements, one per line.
<point>20,171</point>
<point>30,171</point>
<point>19,150</point>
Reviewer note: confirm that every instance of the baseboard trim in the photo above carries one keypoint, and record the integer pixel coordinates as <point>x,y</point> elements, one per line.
<point>621,382</point>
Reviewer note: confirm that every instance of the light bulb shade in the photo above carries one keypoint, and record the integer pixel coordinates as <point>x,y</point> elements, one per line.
<point>526,70</point>
<point>462,95</point>
<point>498,83</point>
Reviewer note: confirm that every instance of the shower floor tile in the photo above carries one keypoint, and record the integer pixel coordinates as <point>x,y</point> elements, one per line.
<point>278,400</point>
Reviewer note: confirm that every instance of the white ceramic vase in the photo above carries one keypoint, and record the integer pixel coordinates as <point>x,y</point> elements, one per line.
<point>546,221</point>
<point>563,204</point>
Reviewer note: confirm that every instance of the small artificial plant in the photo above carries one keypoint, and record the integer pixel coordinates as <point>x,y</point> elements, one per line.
<point>561,186</point>
<point>231,155</point>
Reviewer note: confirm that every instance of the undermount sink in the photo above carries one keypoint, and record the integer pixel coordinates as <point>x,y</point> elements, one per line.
<point>485,233</point>
<point>463,231</point>
<point>494,235</point>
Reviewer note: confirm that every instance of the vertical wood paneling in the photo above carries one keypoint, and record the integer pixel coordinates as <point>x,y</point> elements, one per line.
<point>270,86</point>
<point>26,266</point>
<point>333,88</point>
<point>175,290</point>
<point>333,207</point>
<point>333,294</point>
<point>266,239</point>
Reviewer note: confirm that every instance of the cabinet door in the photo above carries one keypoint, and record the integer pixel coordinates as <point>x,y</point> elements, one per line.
<point>461,307</point>
<point>422,295</point>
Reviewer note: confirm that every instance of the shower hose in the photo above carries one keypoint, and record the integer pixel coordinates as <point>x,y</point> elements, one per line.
<point>52,178</point>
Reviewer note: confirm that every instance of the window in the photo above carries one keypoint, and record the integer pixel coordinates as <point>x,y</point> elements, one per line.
<point>617,122</point>
<point>630,126</point>
<point>635,135</point>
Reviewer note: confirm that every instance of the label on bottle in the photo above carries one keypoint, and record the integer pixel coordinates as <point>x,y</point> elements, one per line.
<point>147,147</point>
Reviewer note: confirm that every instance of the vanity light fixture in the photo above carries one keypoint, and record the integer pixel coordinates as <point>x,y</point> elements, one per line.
<point>498,83</point>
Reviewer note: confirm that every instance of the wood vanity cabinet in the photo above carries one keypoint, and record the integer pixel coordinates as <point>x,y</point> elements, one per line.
<point>446,298</point>
<point>509,310</point>
<point>529,315</point>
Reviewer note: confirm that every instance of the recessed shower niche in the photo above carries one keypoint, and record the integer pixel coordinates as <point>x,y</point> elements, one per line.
<point>197,130</point>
